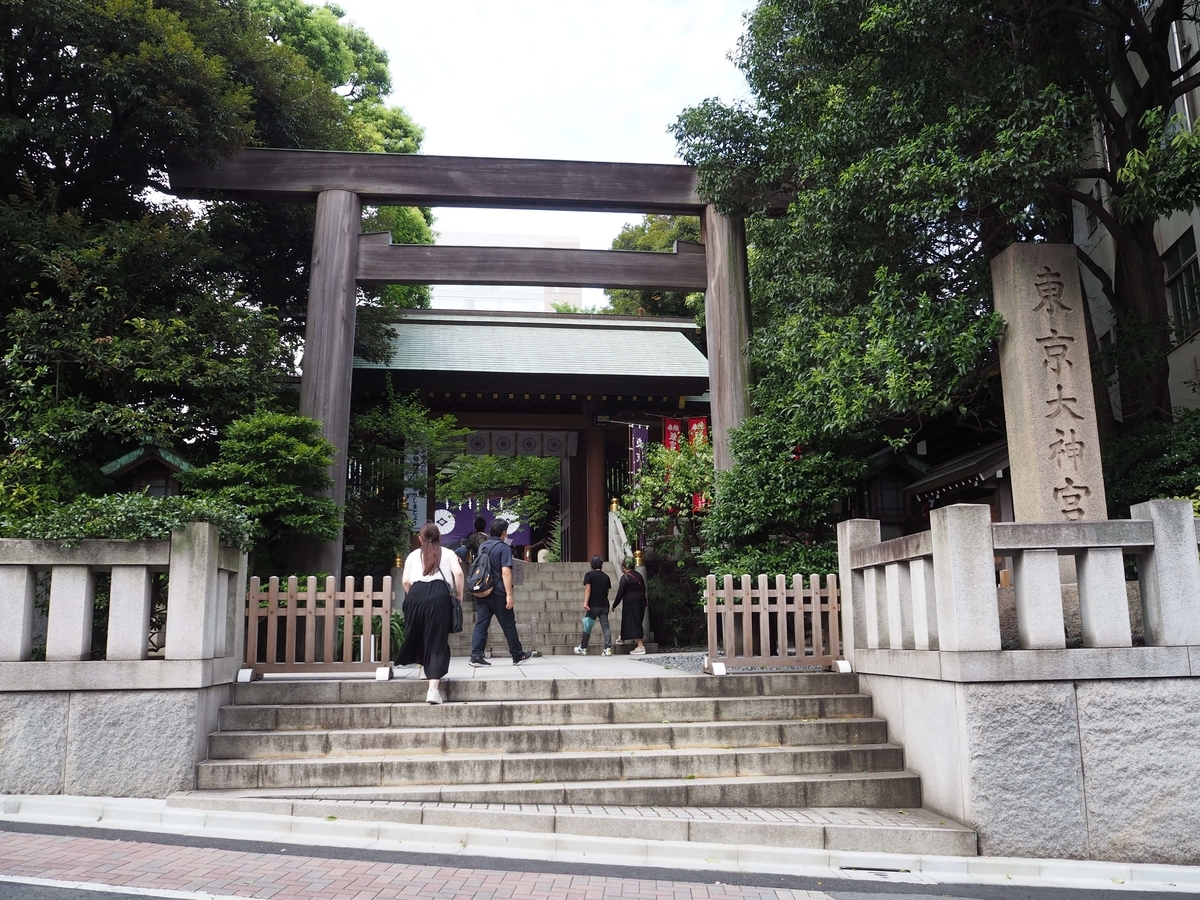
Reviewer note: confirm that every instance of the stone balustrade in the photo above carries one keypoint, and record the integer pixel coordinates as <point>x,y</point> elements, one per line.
<point>1045,749</point>
<point>129,723</point>
<point>937,590</point>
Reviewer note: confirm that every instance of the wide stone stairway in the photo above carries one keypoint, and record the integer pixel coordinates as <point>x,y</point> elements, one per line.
<point>780,759</point>
<point>548,605</point>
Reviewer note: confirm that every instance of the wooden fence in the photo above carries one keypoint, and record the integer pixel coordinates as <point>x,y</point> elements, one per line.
<point>293,630</point>
<point>761,623</point>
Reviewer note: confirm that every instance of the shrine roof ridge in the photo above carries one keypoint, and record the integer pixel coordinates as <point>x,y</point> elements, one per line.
<point>598,321</point>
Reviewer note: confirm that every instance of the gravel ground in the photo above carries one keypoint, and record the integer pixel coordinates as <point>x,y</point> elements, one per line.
<point>694,662</point>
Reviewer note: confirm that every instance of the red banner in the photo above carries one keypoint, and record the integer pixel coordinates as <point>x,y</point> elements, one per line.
<point>697,429</point>
<point>699,503</point>
<point>672,433</point>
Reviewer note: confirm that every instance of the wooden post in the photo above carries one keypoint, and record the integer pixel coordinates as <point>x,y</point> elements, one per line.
<point>597,537</point>
<point>328,364</point>
<point>727,319</point>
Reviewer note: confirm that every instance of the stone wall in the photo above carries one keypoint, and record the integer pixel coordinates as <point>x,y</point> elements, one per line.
<point>133,743</point>
<point>1105,769</point>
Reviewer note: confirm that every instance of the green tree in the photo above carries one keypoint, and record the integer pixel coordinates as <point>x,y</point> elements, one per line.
<point>527,480</point>
<point>911,142</point>
<point>395,445</point>
<point>274,466</point>
<point>659,506</point>
<point>127,318</point>
<point>775,509</point>
<point>659,234</point>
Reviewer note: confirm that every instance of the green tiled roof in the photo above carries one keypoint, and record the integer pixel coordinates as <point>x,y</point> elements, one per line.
<point>555,344</point>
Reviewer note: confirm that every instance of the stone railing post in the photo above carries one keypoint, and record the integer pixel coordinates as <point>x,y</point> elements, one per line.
<point>69,626</point>
<point>192,593</point>
<point>965,576</point>
<point>1038,593</point>
<point>852,534</point>
<point>1170,574</point>
<point>16,610</point>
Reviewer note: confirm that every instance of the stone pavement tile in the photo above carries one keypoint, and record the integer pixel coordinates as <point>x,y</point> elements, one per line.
<point>139,864</point>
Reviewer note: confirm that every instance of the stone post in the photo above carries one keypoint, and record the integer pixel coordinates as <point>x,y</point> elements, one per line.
<point>727,322</point>
<point>968,614</point>
<point>129,607</point>
<point>328,365</point>
<point>1170,574</point>
<point>852,534</point>
<point>69,627</point>
<point>16,610</point>
<point>1053,443</point>
<point>192,593</point>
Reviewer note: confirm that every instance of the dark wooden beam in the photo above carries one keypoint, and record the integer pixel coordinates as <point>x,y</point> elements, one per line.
<point>380,262</point>
<point>413,180</point>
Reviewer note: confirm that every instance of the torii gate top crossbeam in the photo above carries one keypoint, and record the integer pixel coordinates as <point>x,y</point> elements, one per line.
<point>417,180</point>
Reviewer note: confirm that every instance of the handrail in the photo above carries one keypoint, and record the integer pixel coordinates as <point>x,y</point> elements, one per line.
<point>618,543</point>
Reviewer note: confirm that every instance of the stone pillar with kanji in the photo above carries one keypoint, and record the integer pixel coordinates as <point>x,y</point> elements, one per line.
<point>1053,442</point>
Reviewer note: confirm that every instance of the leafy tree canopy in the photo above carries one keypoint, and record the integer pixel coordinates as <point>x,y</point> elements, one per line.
<point>528,480</point>
<point>126,318</point>
<point>657,234</point>
<point>395,444</point>
<point>273,466</point>
<point>911,142</point>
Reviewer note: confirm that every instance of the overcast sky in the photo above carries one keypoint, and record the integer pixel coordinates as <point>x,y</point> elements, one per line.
<point>553,79</point>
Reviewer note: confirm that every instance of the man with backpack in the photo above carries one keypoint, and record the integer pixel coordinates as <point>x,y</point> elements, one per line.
<point>490,580</point>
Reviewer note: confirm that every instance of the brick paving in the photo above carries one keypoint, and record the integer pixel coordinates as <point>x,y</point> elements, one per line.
<point>150,866</point>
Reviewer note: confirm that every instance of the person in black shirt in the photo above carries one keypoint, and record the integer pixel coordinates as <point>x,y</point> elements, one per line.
<point>499,602</point>
<point>595,606</point>
<point>632,589</point>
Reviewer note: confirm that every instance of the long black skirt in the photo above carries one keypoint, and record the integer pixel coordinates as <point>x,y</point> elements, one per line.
<point>428,613</point>
<point>632,612</point>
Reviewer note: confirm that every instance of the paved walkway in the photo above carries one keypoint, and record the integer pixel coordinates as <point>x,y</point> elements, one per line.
<point>230,873</point>
<point>542,667</point>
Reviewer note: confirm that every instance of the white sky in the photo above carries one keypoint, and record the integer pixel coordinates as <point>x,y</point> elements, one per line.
<point>553,79</point>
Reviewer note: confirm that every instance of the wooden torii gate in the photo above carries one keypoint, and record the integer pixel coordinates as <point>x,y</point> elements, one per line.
<point>340,183</point>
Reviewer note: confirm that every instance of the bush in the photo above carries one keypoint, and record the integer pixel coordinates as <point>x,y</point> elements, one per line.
<point>132,517</point>
<point>1155,460</point>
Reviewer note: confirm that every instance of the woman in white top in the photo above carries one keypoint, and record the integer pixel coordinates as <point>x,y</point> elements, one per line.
<point>432,579</point>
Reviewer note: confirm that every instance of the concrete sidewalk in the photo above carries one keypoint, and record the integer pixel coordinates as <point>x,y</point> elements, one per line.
<point>155,817</point>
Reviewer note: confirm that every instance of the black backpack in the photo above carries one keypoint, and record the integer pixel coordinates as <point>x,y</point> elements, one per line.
<point>481,576</point>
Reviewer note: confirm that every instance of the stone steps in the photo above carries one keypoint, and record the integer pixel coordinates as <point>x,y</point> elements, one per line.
<point>842,828</point>
<point>490,769</point>
<point>527,713</point>
<point>778,743</point>
<point>648,687</point>
<point>545,739</point>
<point>872,789</point>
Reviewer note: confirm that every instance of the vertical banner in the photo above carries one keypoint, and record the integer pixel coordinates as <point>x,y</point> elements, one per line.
<point>639,437</point>
<point>697,429</point>
<point>672,433</point>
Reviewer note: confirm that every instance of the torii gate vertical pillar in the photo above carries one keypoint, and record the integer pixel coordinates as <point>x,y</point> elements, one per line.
<point>328,364</point>
<point>727,319</point>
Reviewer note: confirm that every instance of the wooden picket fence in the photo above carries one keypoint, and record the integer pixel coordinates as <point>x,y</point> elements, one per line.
<point>315,631</point>
<point>760,622</point>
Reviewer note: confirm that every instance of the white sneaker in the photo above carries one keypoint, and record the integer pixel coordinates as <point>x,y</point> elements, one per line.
<point>433,696</point>
<point>580,651</point>
<point>638,651</point>
<point>607,651</point>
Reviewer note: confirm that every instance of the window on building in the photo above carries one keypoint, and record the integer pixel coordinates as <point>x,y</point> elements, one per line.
<point>1182,274</point>
<point>887,499</point>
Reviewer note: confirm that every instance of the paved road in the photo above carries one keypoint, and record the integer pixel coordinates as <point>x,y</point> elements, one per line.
<point>134,866</point>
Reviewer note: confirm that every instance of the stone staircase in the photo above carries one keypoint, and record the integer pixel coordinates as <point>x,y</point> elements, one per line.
<point>549,602</point>
<point>800,753</point>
